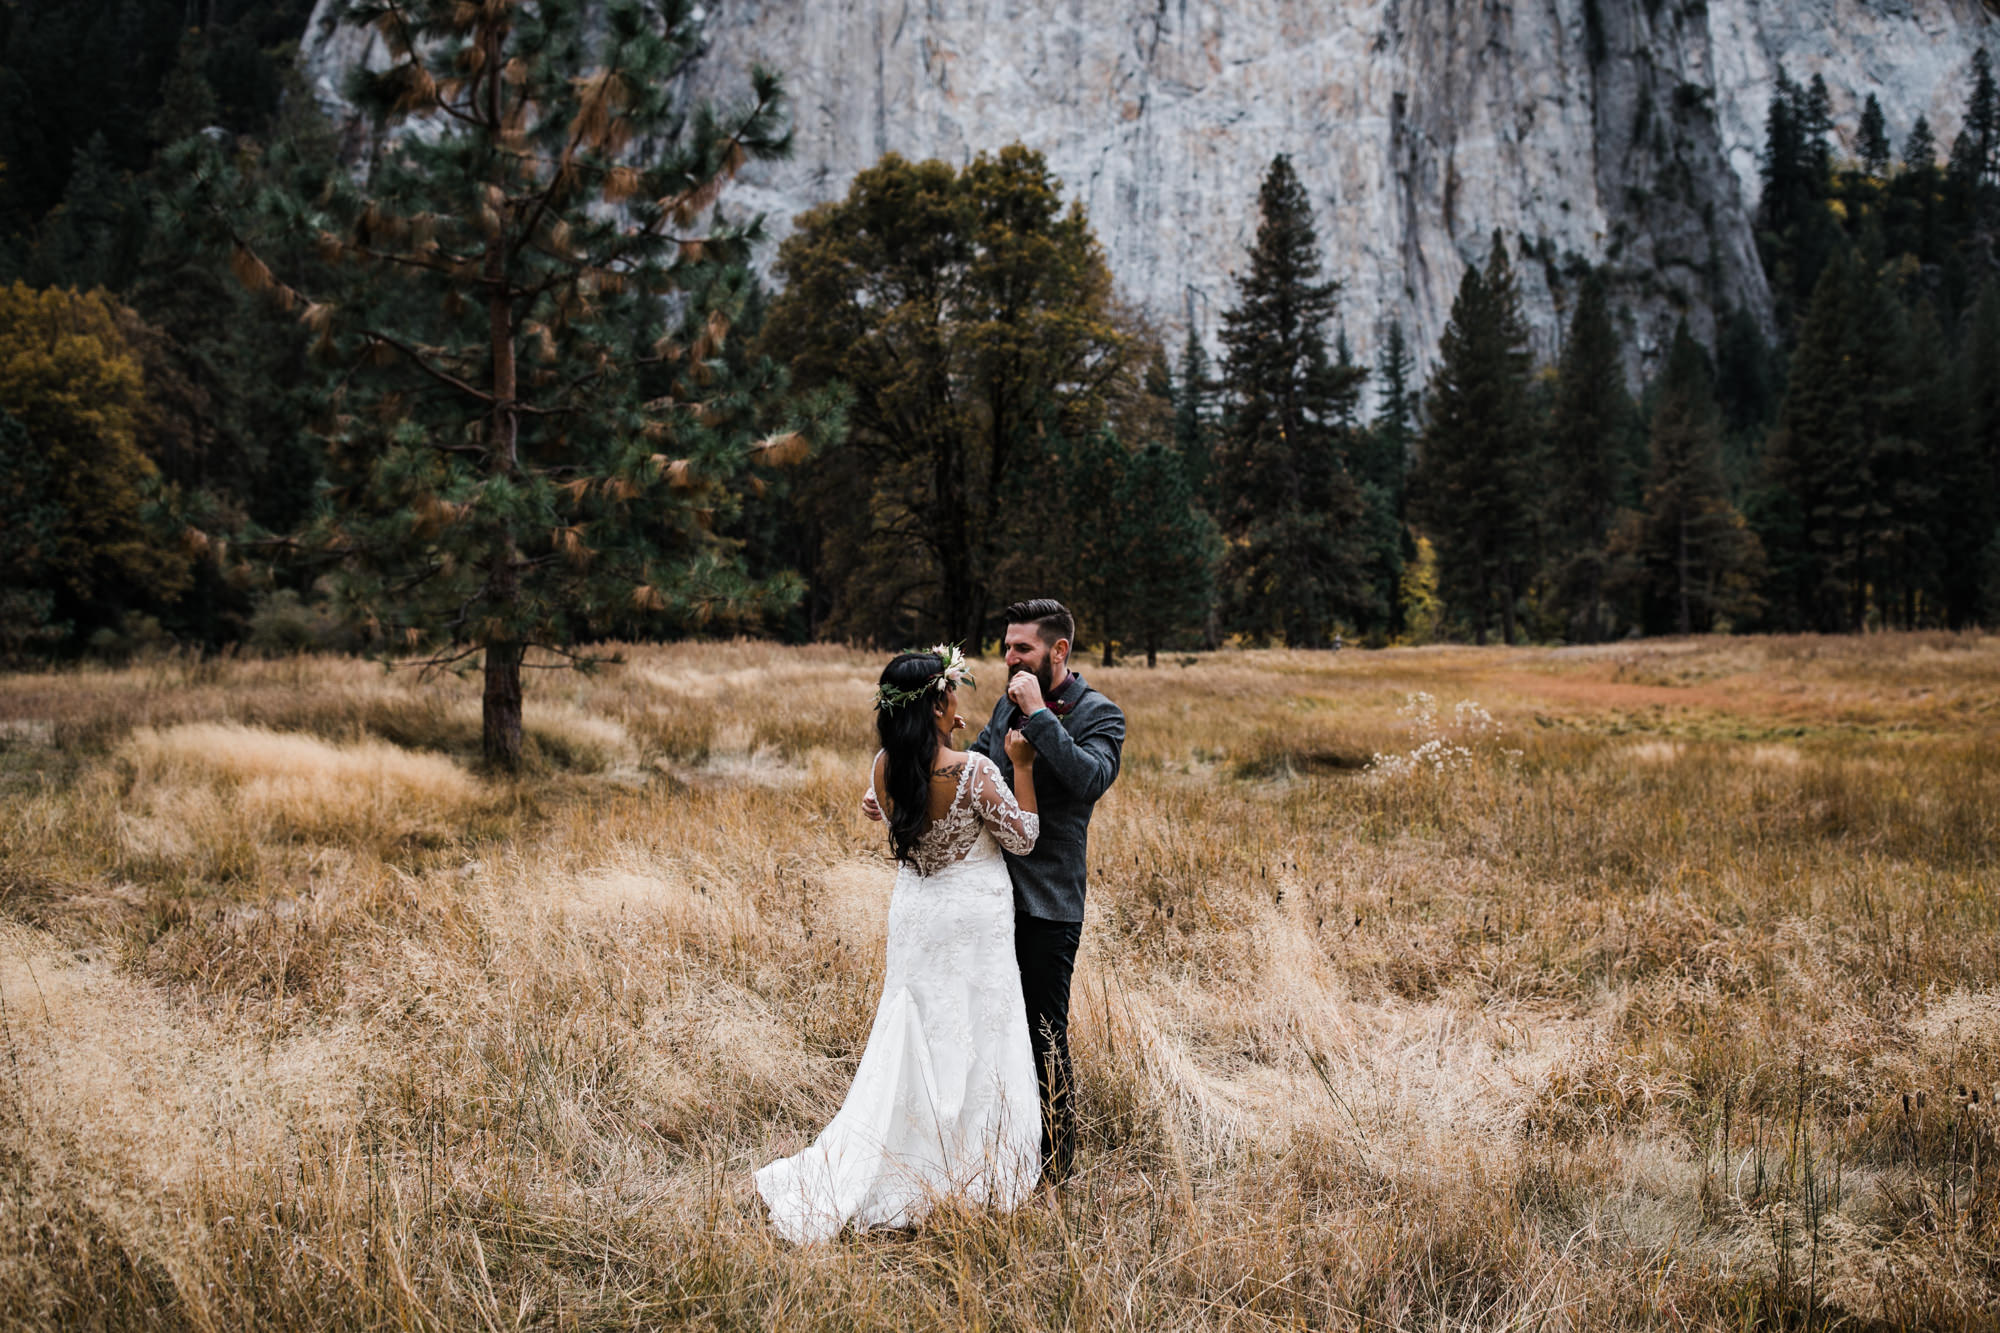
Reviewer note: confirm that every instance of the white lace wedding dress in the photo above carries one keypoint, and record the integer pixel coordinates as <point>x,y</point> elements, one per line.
<point>944,1100</point>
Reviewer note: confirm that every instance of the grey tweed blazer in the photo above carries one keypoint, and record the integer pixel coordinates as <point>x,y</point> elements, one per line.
<point>1076,761</point>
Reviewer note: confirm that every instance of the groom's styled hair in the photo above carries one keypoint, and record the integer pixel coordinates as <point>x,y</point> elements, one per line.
<point>1048,615</point>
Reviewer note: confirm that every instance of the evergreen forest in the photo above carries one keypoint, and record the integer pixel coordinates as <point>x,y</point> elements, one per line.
<point>499,377</point>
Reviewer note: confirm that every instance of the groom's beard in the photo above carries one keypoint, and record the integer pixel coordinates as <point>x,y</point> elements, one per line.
<point>1045,676</point>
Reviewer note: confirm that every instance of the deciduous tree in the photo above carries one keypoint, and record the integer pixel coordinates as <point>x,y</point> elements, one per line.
<point>970,313</point>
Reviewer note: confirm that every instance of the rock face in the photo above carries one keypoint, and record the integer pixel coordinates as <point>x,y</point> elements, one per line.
<point>1623,132</point>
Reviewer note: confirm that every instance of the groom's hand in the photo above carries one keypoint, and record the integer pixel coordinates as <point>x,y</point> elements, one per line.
<point>870,808</point>
<point>1026,692</point>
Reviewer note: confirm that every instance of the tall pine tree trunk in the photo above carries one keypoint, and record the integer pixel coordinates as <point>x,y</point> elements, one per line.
<point>500,706</point>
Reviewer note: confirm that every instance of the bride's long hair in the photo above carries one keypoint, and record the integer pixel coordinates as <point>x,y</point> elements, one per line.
<point>909,742</point>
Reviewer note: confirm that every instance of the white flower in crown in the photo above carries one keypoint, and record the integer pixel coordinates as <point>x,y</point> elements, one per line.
<point>955,672</point>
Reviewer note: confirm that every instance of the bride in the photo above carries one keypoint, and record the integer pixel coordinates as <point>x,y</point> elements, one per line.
<point>944,1100</point>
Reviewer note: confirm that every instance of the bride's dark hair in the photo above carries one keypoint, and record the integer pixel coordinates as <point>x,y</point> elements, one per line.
<point>909,743</point>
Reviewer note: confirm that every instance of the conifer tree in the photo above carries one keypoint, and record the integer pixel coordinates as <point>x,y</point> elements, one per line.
<point>1382,466</point>
<point>1982,115</point>
<point>1471,491</point>
<point>1194,411</point>
<point>1585,437</point>
<point>1089,474</point>
<point>529,438</point>
<point>93,237</point>
<point>1969,476</point>
<point>1840,441</point>
<point>1872,139</point>
<point>1691,560</point>
<point>1920,149</point>
<point>1173,551</point>
<point>1395,423</point>
<point>1294,517</point>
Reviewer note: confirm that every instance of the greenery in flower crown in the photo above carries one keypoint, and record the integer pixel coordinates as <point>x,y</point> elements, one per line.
<point>953,673</point>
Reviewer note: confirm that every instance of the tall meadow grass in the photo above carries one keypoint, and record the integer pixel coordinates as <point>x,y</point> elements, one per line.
<point>1661,990</point>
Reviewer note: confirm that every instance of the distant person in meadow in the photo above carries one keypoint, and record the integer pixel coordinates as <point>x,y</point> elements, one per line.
<point>983,931</point>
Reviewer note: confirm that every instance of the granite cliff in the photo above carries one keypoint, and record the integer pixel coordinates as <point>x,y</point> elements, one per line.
<point>1623,132</point>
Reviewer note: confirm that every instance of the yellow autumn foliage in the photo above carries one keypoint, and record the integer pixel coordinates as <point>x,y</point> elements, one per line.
<point>69,375</point>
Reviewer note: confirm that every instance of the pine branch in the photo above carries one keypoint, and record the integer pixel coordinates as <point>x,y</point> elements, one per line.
<point>441,376</point>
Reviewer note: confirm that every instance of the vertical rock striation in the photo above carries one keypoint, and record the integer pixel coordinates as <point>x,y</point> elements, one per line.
<point>1623,132</point>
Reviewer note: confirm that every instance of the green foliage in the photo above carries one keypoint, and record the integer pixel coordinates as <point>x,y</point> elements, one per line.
<point>70,382</point>
<point>122,77</point>
<point>971,316</point>
<point>1795,233</point>
<point>1688,559</point>
<point>31,521</point>
<point>1843,452</point>
<point>1472,487</point>
<point>1589,422</point>
<point>1143,553</point>
<point>528,434</point>
<point>1194,412</point>
<point>1294,519</point>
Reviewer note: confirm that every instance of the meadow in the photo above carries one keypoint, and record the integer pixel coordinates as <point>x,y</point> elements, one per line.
<point>1657,986</point>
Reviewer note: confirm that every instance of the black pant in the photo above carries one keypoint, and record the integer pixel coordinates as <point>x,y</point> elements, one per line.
<point>1046,951</point>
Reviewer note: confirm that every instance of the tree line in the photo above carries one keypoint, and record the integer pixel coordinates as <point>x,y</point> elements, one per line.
<point>511,386</point>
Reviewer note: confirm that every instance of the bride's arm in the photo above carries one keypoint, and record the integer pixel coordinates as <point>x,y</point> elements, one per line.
<point>1021,753</point>
<point>1014,823</point>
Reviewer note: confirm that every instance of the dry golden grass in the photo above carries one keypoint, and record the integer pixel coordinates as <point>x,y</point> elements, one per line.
<point>1675,1002</point>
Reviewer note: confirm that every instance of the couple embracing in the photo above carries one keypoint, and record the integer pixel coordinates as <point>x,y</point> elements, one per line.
<point>964,1089</point>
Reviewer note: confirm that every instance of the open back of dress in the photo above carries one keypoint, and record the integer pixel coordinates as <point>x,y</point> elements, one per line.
<point>944,1100</point>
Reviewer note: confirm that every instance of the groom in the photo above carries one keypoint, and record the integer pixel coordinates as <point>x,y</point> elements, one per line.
<point>1077,734</point>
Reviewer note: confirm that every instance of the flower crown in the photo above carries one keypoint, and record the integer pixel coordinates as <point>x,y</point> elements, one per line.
<point>954,673</point>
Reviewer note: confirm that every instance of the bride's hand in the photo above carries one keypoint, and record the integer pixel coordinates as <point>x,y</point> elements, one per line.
<point>1019,748</point>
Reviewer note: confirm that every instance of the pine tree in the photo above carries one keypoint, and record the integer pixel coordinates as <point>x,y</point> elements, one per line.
<point>187,101</point>
<point>529,440</point>
<point>1382,466</point>
<point>1969,475</point>
<point>1927,479</point>
<point>1171,551</point>
<point>93,237</point>
<point>1982,115</point>
<point>1089,474</point>
<point>1872,139</point>
<point>1294,517</point>
<point>1194,412</point>
<point>1920,149</point>
<point>1395,424</point>
<point>1691,560</point>
<point>1471,491</point>
<point>1585,437</point>
<point>1815,118</point>
<point>1840,440</point>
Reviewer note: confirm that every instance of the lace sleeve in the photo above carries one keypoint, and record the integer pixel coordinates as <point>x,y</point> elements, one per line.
<point>1013,828</point>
